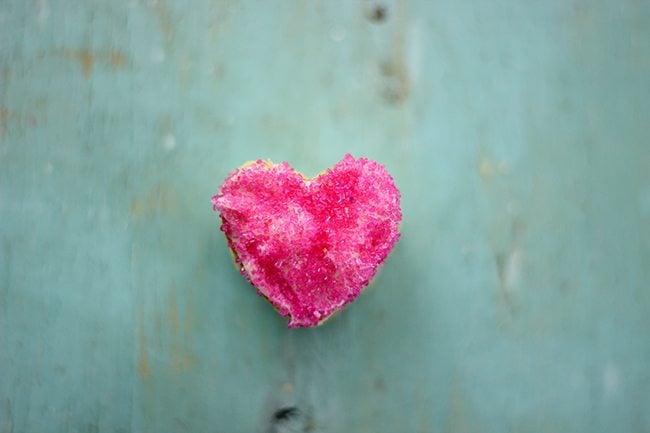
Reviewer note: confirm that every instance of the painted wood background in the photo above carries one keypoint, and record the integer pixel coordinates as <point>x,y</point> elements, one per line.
<point>518,298</point>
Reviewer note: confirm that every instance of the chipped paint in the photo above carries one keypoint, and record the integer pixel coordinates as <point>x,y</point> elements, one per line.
<point>18,120</point>
<point>161,199</point>
<point>87,59</point>
<point>160,10</point>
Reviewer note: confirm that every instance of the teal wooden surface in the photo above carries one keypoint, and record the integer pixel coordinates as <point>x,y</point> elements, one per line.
<point>517,299</point>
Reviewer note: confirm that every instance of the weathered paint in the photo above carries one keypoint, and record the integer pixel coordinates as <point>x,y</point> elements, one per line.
<point>516,300</point>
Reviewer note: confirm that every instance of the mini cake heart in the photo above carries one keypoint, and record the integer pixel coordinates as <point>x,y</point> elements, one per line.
<point>309,246</point>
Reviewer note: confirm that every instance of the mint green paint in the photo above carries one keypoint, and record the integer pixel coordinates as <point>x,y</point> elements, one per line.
<point>517,300</point>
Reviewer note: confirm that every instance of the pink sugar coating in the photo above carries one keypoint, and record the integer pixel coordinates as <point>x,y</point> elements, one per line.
<point>310,246</point>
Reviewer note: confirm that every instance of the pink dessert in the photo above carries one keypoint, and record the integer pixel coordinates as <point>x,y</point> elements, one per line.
<point>309,246</point>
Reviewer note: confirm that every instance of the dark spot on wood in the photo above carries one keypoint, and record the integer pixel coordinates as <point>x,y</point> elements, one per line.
<point>396,82</point>
<point>291,419</point>
<point>378,14</point>
<point>285,414</point>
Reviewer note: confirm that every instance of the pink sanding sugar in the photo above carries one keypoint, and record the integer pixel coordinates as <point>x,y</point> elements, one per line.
<point>310,245</point>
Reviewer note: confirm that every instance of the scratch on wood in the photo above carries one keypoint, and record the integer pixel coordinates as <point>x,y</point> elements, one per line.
<point>9,420</point>
<point>181,359</point>
<point>6,74</point>
<point>143,357</point>
<point>4,120</point>
<point>458,416</point>
<point>173,316</point>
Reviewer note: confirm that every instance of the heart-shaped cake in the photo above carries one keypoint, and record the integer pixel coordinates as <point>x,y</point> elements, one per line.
<point>309,245</point>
